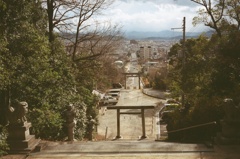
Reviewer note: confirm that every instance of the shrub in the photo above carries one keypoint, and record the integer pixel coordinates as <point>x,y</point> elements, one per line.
<point>47,124</point>
<point>3,144</point>
<point>204,111</point>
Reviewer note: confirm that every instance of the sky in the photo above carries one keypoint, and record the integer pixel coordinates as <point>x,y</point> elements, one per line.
<point>153,15</point>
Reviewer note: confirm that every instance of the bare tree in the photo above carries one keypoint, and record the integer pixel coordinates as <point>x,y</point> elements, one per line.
<point>233,10</point>
<point>86,38</point>
<point>100,42</point>
<point>214,10</point>
<point>64,14</point>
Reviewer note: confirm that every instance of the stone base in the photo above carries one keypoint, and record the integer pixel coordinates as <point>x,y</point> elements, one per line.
<point>142,137</point>
<point>118,137</point>
<point>20,140</point>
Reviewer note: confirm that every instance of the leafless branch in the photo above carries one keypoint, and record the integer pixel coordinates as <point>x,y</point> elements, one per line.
<point>214,12</point>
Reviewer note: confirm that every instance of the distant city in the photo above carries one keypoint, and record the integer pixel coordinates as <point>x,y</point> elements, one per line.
<point>167,34</point>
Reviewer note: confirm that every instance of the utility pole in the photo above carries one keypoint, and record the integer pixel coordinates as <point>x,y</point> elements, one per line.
<point>184,39</point>
<point>183,56</point>
<point>184,60</point>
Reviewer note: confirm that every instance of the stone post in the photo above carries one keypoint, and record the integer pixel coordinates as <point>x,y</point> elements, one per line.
<point>70,124</point>
<point>91,128</point>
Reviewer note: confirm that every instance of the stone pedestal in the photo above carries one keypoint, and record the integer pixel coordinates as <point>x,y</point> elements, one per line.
<point>19,138</point>
<point>230,133</point>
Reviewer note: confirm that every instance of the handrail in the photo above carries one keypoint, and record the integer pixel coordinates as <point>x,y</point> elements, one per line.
<point>195,126</point>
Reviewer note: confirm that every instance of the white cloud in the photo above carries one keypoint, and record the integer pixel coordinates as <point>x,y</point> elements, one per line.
<point>152,15</point>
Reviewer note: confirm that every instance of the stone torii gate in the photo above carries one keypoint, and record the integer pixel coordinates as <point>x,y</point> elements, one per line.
<point>142,108</point>
<point>132,75</point>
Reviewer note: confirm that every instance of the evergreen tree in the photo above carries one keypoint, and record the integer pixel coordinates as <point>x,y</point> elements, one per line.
<point>31,72</point>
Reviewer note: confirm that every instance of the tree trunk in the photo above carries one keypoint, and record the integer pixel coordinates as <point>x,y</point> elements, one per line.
<point>50,10</point>
<point>4,104</point>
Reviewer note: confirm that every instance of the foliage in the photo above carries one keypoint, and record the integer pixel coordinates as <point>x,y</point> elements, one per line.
<point>194,75</point>
<point>47,123</point>
<point>91,111</point>
<point>159,83</point>
<point>3,144</point>
<point>86,46</point>
<point>4,72</point>
<point>226,75</point>
<point>217,12</point>
<point>81,120</point>
<point>35,71</point>
<point>210,74</point>
<point>42,73</point>
<point>35,66</point>
<point>203,111</point>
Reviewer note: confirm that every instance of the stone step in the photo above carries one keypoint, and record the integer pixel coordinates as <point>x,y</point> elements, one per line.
<point>124,146</point>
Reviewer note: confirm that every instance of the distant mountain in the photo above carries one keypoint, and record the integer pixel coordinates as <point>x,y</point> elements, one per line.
<point>166,34</point>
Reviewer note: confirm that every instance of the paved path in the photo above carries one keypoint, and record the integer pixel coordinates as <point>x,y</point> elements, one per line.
<point>119,148</point>
<point>131,125</point>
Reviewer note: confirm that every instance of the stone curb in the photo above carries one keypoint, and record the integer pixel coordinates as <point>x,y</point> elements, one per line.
<point>151,94</point>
